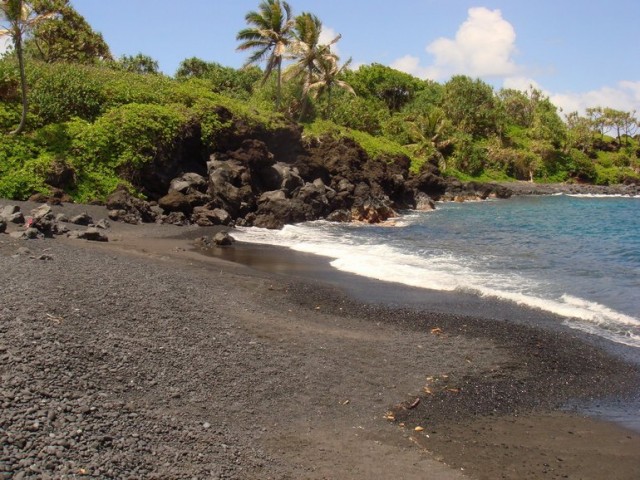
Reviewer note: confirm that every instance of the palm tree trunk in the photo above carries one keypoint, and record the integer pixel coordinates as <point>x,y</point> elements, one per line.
<point>328,111</point>
<point>305,98</point>
<point>279,86</point>
<point>23,85</point>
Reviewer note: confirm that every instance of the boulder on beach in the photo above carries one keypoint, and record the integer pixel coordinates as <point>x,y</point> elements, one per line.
<point>125,207</point>
<point>81,219</point>
<point>91,234</point>
<point>223,239</point>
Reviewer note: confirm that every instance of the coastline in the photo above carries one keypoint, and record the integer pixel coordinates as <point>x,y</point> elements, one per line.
<point>293,375</point>
<point>528,188</point>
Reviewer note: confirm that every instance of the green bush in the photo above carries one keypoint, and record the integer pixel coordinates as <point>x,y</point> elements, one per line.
<point>63,91</point>
<point>358,113</point>
<point>375,147</point>
<point>469,157</point>
<point>205,112</point>
<point>130,136</point>
<point>607,175</point>
<point>23,168</point>
<point>581,166</point>
<point>9,117</point>
<point>111,151</point>
<point>9,80</point>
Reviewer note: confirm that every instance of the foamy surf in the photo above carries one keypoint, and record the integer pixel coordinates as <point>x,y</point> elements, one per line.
<point>599,195</point>
<point>351,250</point>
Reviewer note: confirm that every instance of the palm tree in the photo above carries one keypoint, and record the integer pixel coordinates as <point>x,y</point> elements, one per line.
<point>269,37</point>
<point>429,132</point>
<point>20,18</point>
<point>306,50</point>
<point>327,76</point>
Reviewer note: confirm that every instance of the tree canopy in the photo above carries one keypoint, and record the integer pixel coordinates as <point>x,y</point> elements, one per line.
<point>61,71</point>
<point>65,35</point>
<point>268,36</point>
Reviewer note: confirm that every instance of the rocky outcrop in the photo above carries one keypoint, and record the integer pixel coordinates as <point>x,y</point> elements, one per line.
<point>526,188</point>
<point>125,207</point>
<point>56,197</point>
<point>457,191</point>
<point>41,222</point>
<point>206,217</point>
<point>256,183</point>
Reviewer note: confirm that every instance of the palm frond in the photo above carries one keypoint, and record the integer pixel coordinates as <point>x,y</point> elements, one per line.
<point>345,86</point>
<point>257,57</point>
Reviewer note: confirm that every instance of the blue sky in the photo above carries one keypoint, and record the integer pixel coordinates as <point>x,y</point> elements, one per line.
<point>579,52</point>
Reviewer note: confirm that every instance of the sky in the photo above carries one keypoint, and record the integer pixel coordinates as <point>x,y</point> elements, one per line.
<point>581,53</point>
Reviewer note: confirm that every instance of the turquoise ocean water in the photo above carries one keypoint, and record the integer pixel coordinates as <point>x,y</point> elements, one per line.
<point>575,256</point>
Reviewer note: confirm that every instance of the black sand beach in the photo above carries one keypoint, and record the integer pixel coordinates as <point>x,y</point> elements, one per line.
<point>144,358</point>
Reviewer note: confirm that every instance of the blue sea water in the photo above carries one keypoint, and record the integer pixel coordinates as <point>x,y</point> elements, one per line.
<point>575,256</point>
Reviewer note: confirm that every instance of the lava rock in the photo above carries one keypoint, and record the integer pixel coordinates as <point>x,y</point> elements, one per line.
<point>82,219</point>
<point>223,239</point>
<point>91,234</point>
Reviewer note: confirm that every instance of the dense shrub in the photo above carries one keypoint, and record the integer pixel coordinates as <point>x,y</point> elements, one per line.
<point>469,157</point>
<point>127,137</point>
<point>63,91</point>
<point>107,124</point>
<point>581,166</point>
<point>607,175</point>
<point>9,116</point>
<point>110,151</point>
<point>359,113</point>
<point>22,167</point>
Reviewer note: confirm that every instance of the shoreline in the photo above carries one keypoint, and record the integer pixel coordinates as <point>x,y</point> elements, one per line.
<point>456,307</point>
<point>528,188</point>
<point>282,260</point>
<point>291,373</point>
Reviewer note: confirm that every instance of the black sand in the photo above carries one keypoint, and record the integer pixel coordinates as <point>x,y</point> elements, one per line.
<point>142,358</point>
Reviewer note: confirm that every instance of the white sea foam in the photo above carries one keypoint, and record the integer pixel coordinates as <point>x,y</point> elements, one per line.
<point>600,195</point>
<point>443,272</point>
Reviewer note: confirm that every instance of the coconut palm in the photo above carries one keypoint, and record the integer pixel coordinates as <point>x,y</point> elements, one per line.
<point>326,77</point>
<point>429,132</point>
<point>269,36</point>
<point>19,18</point>
<point>306,49</point>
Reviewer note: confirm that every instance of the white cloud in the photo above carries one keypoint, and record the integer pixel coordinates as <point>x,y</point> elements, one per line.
<point>328,34</point>
<point>411,64</point>
<point>625,95</point>
<point>522,84</point>
<point>5,42</point>
<point>483,46</point>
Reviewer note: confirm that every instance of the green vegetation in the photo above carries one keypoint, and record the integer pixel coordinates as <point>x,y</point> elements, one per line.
<point>99,121</point>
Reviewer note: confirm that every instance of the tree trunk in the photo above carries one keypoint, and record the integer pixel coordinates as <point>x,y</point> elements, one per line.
<point>23,85</point>
<point>305,96</point>
<point>279,85</point>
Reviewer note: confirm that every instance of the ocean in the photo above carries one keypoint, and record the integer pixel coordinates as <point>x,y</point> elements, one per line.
<point>575,256</point>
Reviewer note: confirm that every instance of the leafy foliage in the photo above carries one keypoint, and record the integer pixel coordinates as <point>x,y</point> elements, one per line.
<point>139,63</point>
<point>64,36</point>
<point>268,36</point>
<point>396,89</point>
<point>472,106</point>
<point>225,80</point>
<point>66,91</point>
<point>105,121</point>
